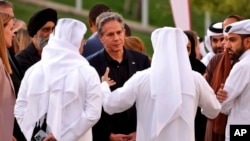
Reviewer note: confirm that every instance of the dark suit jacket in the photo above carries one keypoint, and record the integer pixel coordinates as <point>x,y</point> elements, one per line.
<point>127,119</point>
<point>28,57</point>
<point>17,74</point>
<point>93,44</point>
<point>16,77</point>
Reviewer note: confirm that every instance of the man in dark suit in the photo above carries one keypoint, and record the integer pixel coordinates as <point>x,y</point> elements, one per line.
<point>93,44</point>
<point>123,64</point>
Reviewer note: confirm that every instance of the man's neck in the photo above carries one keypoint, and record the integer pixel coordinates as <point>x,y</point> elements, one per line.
<point>118,56</point>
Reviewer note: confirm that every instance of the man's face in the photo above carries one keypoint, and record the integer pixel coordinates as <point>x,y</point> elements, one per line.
<point>216,43</point>
<point>42,35</point>
<point>235,45</point>
<point>8,10</point>
<point>113,36</point>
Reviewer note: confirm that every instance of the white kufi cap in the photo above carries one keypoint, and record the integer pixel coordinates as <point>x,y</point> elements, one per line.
<point>241,27</point>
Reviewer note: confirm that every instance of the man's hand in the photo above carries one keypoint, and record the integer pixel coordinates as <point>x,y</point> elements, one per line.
<point>14,139</point>
<point>132,136</point>
<point>119,137</point>
<point>221,94</point>
<point>49,137</point>
<point>106,78</point>
<point>205,75</point>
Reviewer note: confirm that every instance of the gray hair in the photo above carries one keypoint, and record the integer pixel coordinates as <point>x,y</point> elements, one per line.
<point>5,4</point>
<point>106,17</point>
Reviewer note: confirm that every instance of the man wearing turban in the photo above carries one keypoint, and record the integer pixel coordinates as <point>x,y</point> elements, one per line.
<point>40,25</point>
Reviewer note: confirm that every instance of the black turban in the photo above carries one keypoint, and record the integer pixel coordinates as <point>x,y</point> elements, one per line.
<point>39,19</point>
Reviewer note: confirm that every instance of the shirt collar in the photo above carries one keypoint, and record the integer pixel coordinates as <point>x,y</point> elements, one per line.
<point>111,60</point>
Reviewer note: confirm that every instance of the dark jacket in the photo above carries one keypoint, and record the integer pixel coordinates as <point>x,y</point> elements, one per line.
<point>93,44</point>
<point>16,77</point>
<point>17,73</point>
<point>28,57</point>
<point>127,119</point>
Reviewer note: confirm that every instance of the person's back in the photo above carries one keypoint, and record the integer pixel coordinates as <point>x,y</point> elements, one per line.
<point>166,97</point>
<point>137,88</point>
<point>69,92</point>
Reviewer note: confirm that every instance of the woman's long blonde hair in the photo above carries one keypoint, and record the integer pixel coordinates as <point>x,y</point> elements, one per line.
<point>4,19</point>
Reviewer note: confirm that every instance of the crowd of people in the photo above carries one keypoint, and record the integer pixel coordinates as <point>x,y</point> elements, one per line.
<point>58,85</point>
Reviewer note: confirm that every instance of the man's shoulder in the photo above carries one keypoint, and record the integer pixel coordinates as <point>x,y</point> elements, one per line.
<point>136,54</point>
<point>92,45</point>
<point>96,56</point>
<point>142,61</point>
<point>29,50</point>
<point>216,58</point>
<point>138,57</point>
<point>93,40</point>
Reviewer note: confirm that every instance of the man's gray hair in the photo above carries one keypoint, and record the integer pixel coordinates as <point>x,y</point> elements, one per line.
<point>106,17</point>
<point>4,4</point>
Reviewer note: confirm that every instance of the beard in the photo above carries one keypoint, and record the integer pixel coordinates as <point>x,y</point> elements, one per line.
<point>218,49</point>
<point>237,53</point>
<point>42,42</point>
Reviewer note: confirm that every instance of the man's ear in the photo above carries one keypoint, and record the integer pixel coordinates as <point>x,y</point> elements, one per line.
<point>247,42</point>
<point>91,24</point>
<point>100,37</point>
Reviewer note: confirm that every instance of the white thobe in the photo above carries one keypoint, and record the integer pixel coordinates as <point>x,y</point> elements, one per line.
<point>237,105</point>
<point>137,89</point>
<point>83,82</point>
<point>62,86</point>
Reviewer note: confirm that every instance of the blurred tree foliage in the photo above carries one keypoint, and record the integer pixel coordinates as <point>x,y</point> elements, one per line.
<point>223,7</point>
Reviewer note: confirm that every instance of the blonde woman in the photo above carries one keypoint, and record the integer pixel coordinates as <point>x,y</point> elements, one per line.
<point>135,43</point>
<point>7,94</point>
<point>22,40</point>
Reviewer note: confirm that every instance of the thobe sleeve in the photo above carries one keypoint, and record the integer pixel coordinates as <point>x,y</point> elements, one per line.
<point>121,99</point>
<point>207,100</point>
<point>234,85</point>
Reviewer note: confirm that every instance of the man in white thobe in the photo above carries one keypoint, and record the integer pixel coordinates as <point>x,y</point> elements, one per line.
<point>62,87</point>
<point>237,86</point>
<point>213,42</point>
<point>167,94</point>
